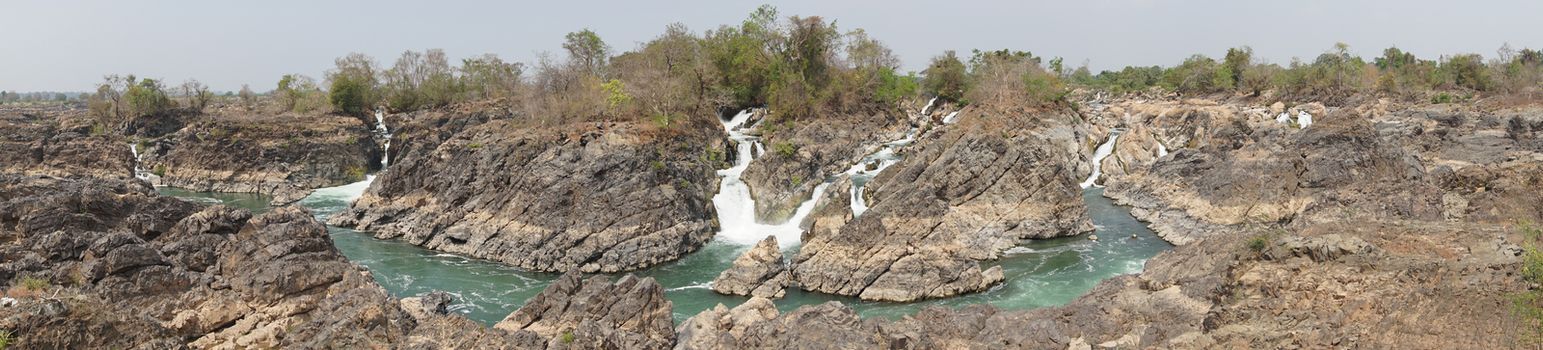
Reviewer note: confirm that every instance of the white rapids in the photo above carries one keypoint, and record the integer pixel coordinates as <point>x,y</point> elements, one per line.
<point>380,128</point>
<point>736,206</point>
<point>882,159</point>
<point>139,168</point>
<point>1099,154</point>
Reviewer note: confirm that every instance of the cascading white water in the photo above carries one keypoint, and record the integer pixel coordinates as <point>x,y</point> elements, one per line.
<point>139,168</point>
<point>736,207</point>
<point>380,128</point>
<point>929,105</point>
<point>1161,149</point>
<point>884,157</point>
<point>951,117</point>
<point>1098,158</point>
<point>1304,119</point>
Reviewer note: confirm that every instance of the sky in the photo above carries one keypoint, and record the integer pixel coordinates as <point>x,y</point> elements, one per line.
<point>68,45</point>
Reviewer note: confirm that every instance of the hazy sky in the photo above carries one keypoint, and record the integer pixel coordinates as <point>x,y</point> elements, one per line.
<point>69,44</point>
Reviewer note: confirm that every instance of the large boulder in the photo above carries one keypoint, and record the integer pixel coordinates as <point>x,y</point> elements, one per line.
<point>574,312</point>
<point>760,272</point>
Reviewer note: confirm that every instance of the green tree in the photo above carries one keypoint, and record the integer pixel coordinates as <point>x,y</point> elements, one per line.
<point>1237,61</point>
<point>946,77</point>
<point>586,48</point>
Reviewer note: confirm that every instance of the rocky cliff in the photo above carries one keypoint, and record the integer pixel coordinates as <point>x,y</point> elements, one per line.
<point>962,195</point>
<point>800,154</point>
<point>599,197</point>
<point>283,155</point>
<point>60,142</point>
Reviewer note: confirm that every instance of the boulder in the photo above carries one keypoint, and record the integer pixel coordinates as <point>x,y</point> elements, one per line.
<point>760,272</point>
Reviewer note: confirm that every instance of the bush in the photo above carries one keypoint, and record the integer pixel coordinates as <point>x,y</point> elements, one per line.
<point>786,149</point>
<point>348,96</point>
<point>567,337</point>
<point>1528,305</point>
<point>1258,243</point>
<point>946,77</point>
<point>159,170</point>
<point>34,283</point>
<point>5,339</point>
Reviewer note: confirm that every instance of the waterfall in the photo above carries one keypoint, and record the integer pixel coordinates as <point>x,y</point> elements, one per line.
<point>929,105</point>
<point>383,132</point>
<point>1304,119</point>
<point>1161,149</point>
<point>1098,158</point>
<point>882,159</point>
<point>736,207</point>
<point>139,168</point>
<point>1283,118</point>
<point>950,118</point>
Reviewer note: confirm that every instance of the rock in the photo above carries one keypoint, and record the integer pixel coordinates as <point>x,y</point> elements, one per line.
<point>145,271</point>
<point>760,272</point>
<point>630,314</point>
<point>822,147</point>
<point>757,325</point>
<point>549,199</point>
<point>961,196</point>
<point>427,305</point>
<point>1319,248</point>
<point>60,143</point>
<point>284,155</point>
<point>720,326</point>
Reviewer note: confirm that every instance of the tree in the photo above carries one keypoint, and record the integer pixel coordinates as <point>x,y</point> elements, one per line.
<point>586,48</point>
<point>420,80</point>
<point>352,84</point>
<point>196,94</point>
<point>946,78</point>
<point>1237,61</point>
<point>490,77</point>
<point>148,97</point>
<point>248,98</point>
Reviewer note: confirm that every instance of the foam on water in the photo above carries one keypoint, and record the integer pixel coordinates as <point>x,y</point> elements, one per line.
<point>737,219</point>
<point>929,105</point>
<point>951,117</point>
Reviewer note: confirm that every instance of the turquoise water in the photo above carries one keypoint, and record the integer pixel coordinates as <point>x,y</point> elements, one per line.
<point>1039,273</point>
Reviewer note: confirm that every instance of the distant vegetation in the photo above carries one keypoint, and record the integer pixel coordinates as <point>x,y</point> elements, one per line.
<point>799,67</point>
<point>1336,73</point>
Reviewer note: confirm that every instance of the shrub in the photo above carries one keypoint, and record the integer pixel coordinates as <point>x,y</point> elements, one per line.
<point>159,170</point>
<point>34,283</point>
<point>5,339</point>
<point>1528,305</point>
<point>348,96</point>
<point>786,149</point>
<point>567,337</point>
<point>945,77</point>
<point>1258,243</point>
<point>356,173</point>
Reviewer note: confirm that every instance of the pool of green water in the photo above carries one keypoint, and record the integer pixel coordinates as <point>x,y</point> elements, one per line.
<point>1039,273</point>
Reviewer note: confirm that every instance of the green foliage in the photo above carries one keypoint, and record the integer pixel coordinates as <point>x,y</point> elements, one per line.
<point>946,78</point>
<point>586,48</point>
<point>1528,305</point>
<point>1130,79</point>
<point>5,339</point>
<point>148,97</point>
<point>356,173</point>
<point>785,149</point>
<point>474,145</point>
<point>159,170</point>
<point>567,336</point>
<point>1466,71</point>
<point>1003,77</point>
<point>797,179</point>
<point>1198,74</point>
<point>300,93</point>
<point>1258,243</point>
<point>657,165</point>
<point>490,77</point>
<point>893,87</point>
<point>349,96</point>
<point>420,80</point>
<point>34,283</point>
<point>616,94</point>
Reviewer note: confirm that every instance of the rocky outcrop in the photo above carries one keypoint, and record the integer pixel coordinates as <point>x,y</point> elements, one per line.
<point>284,155</point>
<point>801,154</point>
<point>1322,286</point>
<point>593,313</point>
<point>962,195</point>
<point>144,271</point>
<point>594,197</point>
<point>760,272</point>
<point>60,142</point>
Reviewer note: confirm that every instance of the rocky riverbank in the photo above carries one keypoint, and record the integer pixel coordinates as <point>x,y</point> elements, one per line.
<point>284,155</point>
<point>598,197</point>
<point>60,141</point>
<point>963,194</point>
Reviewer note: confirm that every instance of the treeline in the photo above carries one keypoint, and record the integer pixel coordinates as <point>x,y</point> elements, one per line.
<point>1334,74</point>
<point>13,97</point>
<point>120,98</point>
<point>799,67</point>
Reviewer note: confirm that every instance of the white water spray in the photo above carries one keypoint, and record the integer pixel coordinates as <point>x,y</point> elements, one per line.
<point>929,105</point>
<point>951,117</point>
<point>1304,119</point>
<point>380,128</point>
<point>736,207</point>
<point>1098,158</point>
<point>139,168</point>
<point>1161,149</point>
<point>882,159</point>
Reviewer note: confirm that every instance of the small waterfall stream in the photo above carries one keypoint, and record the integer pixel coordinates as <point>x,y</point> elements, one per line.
<point>1099,154</point>
<point>384,133</point>
<point>736,206</point>
<point>139,164</point>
